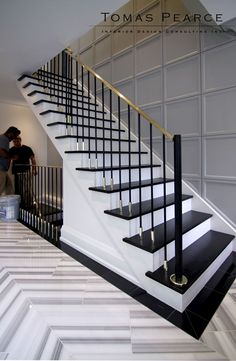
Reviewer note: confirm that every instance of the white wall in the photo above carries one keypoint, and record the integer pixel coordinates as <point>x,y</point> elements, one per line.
<point>32,133</point>
<point>187,82</point>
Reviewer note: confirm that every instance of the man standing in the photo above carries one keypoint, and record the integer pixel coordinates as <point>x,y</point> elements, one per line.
<point>23,157</point>
<point>5,158</point>
<point>22,160</point>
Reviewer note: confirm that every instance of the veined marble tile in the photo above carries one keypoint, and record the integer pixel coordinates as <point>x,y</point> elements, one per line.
<point>222,341</point>
<point>3,355</point>
<point>225,317</point>
<point>52,307</point>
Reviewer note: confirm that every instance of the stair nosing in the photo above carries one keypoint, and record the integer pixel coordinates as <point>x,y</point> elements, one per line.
<point>93,138</point>
<point>123,167</point>
<point>85,126</point>
<point>73,106</point>
<point>100,152</point>
<point>101,190</point>
<point>33,92</point>
<point>45,112</point>
<point>185,197</point>
<point>159,244</point>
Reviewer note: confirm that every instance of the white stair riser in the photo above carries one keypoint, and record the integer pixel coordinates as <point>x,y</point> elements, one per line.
<point>188,238</point>
<point>146,191</point>
<point>145,174</point>
<point>61,130</point>
<point>134,224</point>
<point>82,160</point>
<point>71,144</point>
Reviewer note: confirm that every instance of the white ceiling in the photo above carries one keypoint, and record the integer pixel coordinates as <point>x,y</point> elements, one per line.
<point>33,31</point>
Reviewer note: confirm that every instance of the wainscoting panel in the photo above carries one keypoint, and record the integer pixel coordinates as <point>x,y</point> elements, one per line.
<point>220,67</point>
<point>149,88</point>
<point>149,54</point>
<point>103,49</point>
<point>220,110</point>
<point>226,201</point>
<point>183,78</point>
<point>220,157</point>
<point>184,115</point>
<point>179,44</point>
<point>123,66</point>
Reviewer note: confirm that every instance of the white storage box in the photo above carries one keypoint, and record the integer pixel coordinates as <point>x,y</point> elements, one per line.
<point>9,207</point>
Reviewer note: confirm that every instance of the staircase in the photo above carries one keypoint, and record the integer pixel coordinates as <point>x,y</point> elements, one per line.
<point>124,206</point>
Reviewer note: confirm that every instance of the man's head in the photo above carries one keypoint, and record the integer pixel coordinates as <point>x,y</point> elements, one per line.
<point>12,133</point>
<point>17,142</point>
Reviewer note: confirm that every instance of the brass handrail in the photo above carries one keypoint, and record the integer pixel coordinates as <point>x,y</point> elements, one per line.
<point>118,93</point>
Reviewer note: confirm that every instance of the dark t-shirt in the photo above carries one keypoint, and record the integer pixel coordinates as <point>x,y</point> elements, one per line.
<point>24,153</point>
<point>4,144</point>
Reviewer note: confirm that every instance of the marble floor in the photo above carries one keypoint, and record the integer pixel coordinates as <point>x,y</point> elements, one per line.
<point>53,307</point>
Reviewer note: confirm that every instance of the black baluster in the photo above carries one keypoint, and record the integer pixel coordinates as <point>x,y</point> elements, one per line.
<point>151,171</point>
<point>52,188</point>
<point>82,81</point>
<point>58,77</point>
<point>45,199</point>
<point>56,189</point>
<point>89,130</point>
<point>164,194</point>
<point>95,115</point>
<point>103,138</point>
<point>111,143</point>
<point>66,91</point>
<point>77,105</point>
<point>129,162</point>
<point>140,177</point>
<point>71,91</point>
<point>178,278</point>
<point>119,156</point>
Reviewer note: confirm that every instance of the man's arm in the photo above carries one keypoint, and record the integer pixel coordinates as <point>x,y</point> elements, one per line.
<point>4,153</point>
<point>33,162</point>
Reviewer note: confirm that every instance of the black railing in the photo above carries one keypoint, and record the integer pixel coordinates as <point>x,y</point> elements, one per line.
<point>41,206</point>
<point>75,87</point>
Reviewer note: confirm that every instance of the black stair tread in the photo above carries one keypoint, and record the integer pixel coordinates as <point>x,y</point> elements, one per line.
<point>158,203</point>
<point>57,223</point>
<point>98,138</point>
<point>42,209</point>
<point>125,186</point>
<point>84,126</point>
<point>196,259</point>
<point>51,85</point>
<point>23,76</point>
<point>53,75</point>
<point>123,167</point>
<point>75,115</point>
<point>33,92</point>
<point>73,106</point>
<point>191,219</point>
<point>101,152</point>
<point>52,93</point>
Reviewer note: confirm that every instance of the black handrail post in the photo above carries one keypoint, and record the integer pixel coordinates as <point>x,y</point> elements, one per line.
<point>164,203</point>
<point>178,278</point>
<point>119,157</point>
<point>111,144</point>
<point>129,157</point>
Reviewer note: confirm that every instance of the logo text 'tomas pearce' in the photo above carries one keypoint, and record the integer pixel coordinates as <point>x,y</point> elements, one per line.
<point>150,18</point>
